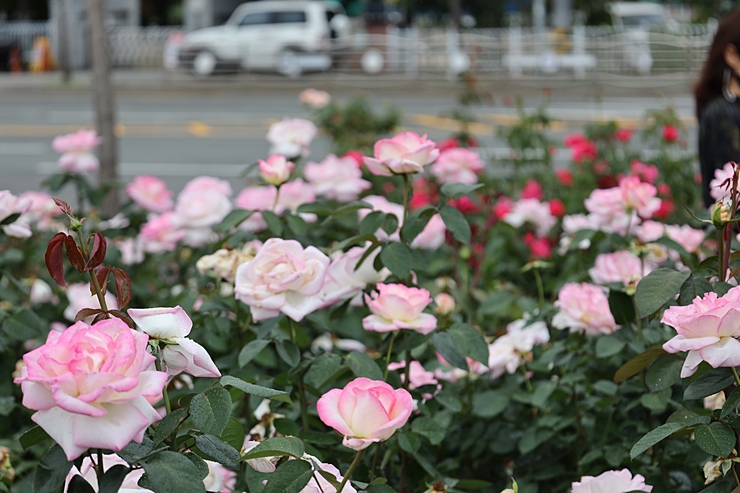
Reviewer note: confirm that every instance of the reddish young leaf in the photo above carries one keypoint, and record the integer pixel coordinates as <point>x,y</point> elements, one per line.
<point>123,286</point>
<point>102,275</point>
<point>123,316</point>
<point>73,253</point>
<point>99,317</point>
<point>63,206</point>
<point>87,312</point>
<point>97,253</point>
<point>54,260</point>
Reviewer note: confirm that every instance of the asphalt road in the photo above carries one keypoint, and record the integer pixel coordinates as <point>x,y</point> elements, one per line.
<point>181,134</point>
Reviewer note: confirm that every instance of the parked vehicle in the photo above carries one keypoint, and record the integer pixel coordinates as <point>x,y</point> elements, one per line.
<point>636,20</point>
<point>289,36</point>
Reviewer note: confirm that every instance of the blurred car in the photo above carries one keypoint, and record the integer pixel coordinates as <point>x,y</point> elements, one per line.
<point>635,20</point>
<point>287,36</point>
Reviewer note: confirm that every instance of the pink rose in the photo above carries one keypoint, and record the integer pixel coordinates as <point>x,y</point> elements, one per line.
<point>623,134</point>
<point>276,170</point>
<point>345,281</point>
<point>41,292</point>
<point>609,207</point>
<point>336,178</point>
<point>639,196</point>
<point>79,297</point>
<point>383,205</point>
<point>405,153</point>
<point>256,199</point>
<point>584,308</point>
<point>718,187</point>
<point>180,354</point>
<point>706,329</point>
<point>532,190</point>
<point>132,250</point>
<point>395,306</point>
<point>418,376</point>
<point>41,211</point>
<point>507,353</point>
<point>291,137</point>
<point>282,277</point>
<point>293,195</point>
<point>9,205</point>
<point>445,304</point>
<point>91,387</point>
<point>533,212</point>
<point>432,236</point>
<point>314,98</point>
<point>365,411</point>
<point>76,151</point>
<point>160,234</point>
<point>650,231</point>
<point>647,172</point>
<point>580,148</point>
<point>457,165</point>
<point>670,133</point>
<point>219,479</point>
<point>623,267</point>
<point>686,236</point>
<point>611,482</point>
<point>87,471</point>
<point>324,486</point>
<point>150,193</point>
<point>208,184</point>
<point>202,203</point>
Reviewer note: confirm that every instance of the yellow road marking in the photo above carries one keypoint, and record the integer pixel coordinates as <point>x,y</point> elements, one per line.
<point>200,129</point>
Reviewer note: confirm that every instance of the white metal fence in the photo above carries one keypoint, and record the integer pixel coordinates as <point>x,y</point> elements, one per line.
<point>506,52</point>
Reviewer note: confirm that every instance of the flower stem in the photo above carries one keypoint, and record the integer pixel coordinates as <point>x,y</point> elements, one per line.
<point>99,471</point>
<point>540,287</point>
<point>93,277</point>
<point>351,469</point>
<point>406,183</point>
<point>638,322</point>
<point>304,404</point>
<point>721,268</point>
<point>734,374</point>
<point>167,405</point>
<point>734,473</point>
<point>388,354</point>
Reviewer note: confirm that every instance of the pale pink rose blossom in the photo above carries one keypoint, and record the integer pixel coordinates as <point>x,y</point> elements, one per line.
<point>219,479</point>
<point>383,205</point>
<point>574,223</point>
<point>76,151</point>
<point>324,486</point>
<point>432,236</point>
<point>619,267</point>
<point>92,402</point>
<point>294,194</point>
<point>291,137</point>
<point>87,471</point>
<point>180,354</point>
<point>639,196</point>
<point>336,178</point>
<point>445,304</point>
<point>395,306</point>
<point>344,281</point>
<point>650,231</point>
<point>365,411</point>
<point>9,205</point>
<point>418,376</point>
<point>256,199</point>
<point>313,98</point>
<point>610,211</point>
<point>160,234</point>
<point>405,153</point>
<point>208,184</point>
<point>202,203</point>
<point>132,250</point>
<point>41,292</point>
<point>718,188</point>
<point>276,170</point>
<point>612,482</point>
<point>534,213</point>
<point>260,464</point>
<point>150,193</point>
<point>686,236</point>
<point>41,211</point>
<point>507,353</point>
<point>584,308</point>
<point>457,165</point>
<point>715,401</point>
<point>282,277</point>
<point>79,297</point>
<point>706,329</point>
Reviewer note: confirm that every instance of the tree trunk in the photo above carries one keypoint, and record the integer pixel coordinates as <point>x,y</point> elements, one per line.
<point>63,33</point>
<point>104,104</point>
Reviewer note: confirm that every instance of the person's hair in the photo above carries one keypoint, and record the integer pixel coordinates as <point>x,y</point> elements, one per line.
<point>710,81</point>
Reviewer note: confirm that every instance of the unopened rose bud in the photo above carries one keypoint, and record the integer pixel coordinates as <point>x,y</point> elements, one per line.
<point>445,304</point>
<point>6,470</point>
<point>276,170</point>
<point>720,214</point>
<point>438,487</point>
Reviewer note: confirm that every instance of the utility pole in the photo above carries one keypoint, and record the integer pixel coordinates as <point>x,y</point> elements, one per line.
<point>104,103</point>
<point>63,33</point>
<point>455,12</point>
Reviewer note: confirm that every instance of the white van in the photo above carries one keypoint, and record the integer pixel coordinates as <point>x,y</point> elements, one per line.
<point>635,20</point>
<point>289,36</point>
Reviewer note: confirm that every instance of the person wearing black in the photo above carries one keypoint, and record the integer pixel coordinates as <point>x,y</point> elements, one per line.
<point>717,97</point>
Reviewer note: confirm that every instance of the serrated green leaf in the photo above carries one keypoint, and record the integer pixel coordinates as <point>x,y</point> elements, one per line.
<point>732,402</point>
<point>469,341</point>
<point>445,346</point>
<point>397,258</point>
<point>233,434</point>
<point>322,369</point>
<point>234,219</point>
<point>663,372</point>
<point>489,403</point>
<point>429,429</point>
<point>622,307</point>
<point>33,436</point>
<point>636,364</point>
<point>251,350</point>
<point>653,437</point>
<point>288,352</point>
<point>291,477</point>
<point>51,471</point>
<point>390,224</point>
<point>371,223</point>
<point>168,424</point>
<point>296,224</point>
<point>210,410</point>
<point>691,288</point>
<point>170,472</point>
<point>113,478</point>
<point>716,438</point>
<point>363,365</point>
<point>409,442</point>
<point>273,222</point>
<point>709,383</point>
<point>657,288</point>
<point>277,447</point>
<point>607,346</point>
<point>218,450</point>
<point>258,390</point>
<point>456,223</point>
<point>457,190</point>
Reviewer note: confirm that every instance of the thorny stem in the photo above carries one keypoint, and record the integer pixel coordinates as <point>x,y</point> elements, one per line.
<point>351,469</point>
<point>167,405</point>
<point>734,374</point>
<point>388,354</point>
<point>530,389</point>
<point>99,471</point>
<point>301,390</point>
<point>93,278</point>
<point>406,183</point>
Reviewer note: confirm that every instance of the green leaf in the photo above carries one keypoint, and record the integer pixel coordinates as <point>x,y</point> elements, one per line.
<point>472,484</point>
<point>210,410</point>
<point>234,219</point>
<point>397,257</point>
<point>51,471</point>
<point>168,424</point>
<point>636,364</point>
<point>201,468</point>
<point>721,486</point>
<point>469,341</point>
<point>657,288</point>
<point>170,472</point>
<point>288,352</point>
<point>691,288</point>
<point>656,401</point>
<point>258,390</point>
<point>721,288</point>
<point>416,223</point>
<point>379,488</point>
<point>314,208</point>
<point>290,477</point>
<point>390,224</point>
<point>113,479</point>
<point>607,346</point>
<point>217,450</point>
<point>233,434</point>
<point>672,244</point>
<point>731,403</point>
<point>322,369</point>
<point>351,207</point>
<point>709,383</point>
<point>622,307</point>
<point>363,365</point>
<point>409,442</point>
<point>715,438</point>
<point>10,219</point>
<point>371,223</point>
<point>7,404</point>
<point>33,436</point>
<point>273,222</point>
<point>489,403</point>
<point>286,427</point>
<point>251,350</point>
<point>449,401</point>
<point>663,373</point>
<point>277,447</point>
<point>429,429</point>
<point>445,346</point>
<point>653,437</point>
<point>457,190</point>
<point>296,224</point>
<point>354,241</point>
<point>78,484</point>
<point>456,223</point>
<point>23,326</point>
